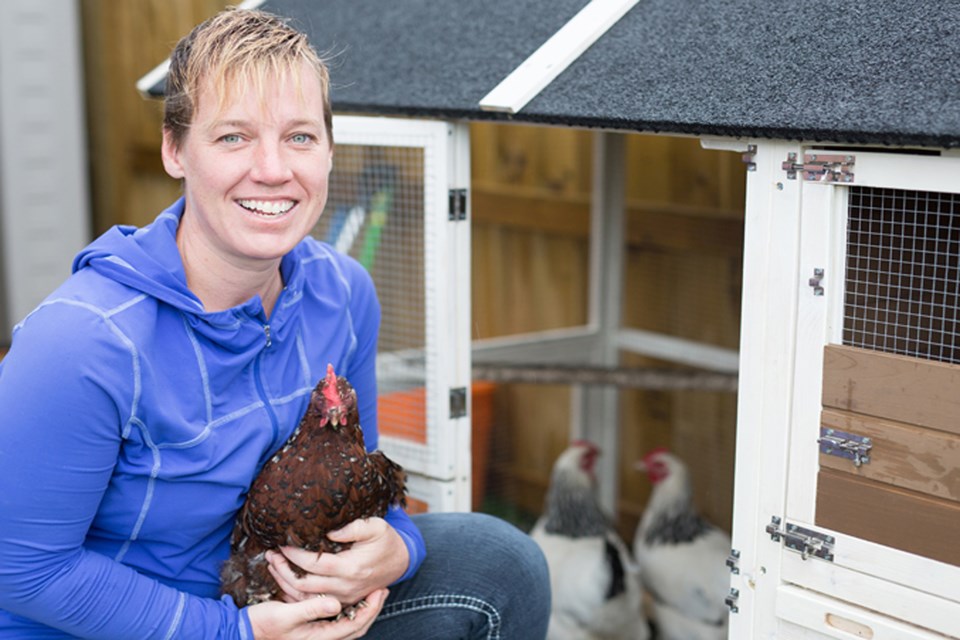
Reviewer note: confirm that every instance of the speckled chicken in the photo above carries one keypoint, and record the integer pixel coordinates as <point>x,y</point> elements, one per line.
<point>322,479</point>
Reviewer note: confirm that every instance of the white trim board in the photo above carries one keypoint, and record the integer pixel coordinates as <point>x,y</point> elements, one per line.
<point>555,55</point>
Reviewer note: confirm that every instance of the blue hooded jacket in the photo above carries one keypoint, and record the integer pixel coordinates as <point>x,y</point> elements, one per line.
<point>134,422</point>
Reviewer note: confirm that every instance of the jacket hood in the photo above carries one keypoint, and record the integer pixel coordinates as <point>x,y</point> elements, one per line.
<point>145,259</point>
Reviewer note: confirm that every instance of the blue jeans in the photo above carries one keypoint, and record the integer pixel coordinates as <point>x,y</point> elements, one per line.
<point>482,579</point>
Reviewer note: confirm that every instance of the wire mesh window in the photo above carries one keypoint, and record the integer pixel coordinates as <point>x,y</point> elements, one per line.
<point>375,213</point>
<point>902,273</point>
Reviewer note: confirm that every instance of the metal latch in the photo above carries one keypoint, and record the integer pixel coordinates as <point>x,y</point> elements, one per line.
<point>733,561</point>
<point>820,167</point>
<point>815,281</point>
<point>731,600</point>
<point>806,542</point>
<point>845,445</point>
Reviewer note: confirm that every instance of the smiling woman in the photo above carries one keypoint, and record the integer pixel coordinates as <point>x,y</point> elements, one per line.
<point>184,354</point>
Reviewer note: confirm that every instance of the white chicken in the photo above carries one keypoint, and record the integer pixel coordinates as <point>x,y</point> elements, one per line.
<point>682,556</point>
<point>596,588</point>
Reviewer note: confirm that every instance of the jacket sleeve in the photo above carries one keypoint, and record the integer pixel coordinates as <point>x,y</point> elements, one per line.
<point>60,436</point>
<point>365,316</point>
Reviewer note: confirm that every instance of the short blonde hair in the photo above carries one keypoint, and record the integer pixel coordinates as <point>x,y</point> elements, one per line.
<point>235,48</point>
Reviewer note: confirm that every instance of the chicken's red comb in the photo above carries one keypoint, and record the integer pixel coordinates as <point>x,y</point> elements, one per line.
<point>330,388</point>
<point>580,442</point>
<point>655,452</point>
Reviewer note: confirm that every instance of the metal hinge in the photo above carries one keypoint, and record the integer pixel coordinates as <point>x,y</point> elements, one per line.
<point>733,561</point>
<point>806,542</point>
<point>458,205</point>
<point>845,445</point>
<point>731,600</point>
<point>749,157</point>
<point>820,167</point>
<point>458,402</point>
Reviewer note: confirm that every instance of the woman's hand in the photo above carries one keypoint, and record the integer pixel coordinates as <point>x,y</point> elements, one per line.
<point>304,620</point>
<point>376,558</point>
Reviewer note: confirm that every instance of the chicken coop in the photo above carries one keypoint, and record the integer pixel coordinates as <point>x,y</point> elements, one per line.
<point>728,228</point>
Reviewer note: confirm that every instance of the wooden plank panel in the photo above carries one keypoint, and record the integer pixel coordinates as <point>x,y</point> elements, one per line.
<point>894,387</point>
<point>903,455</point>
<point>894,517</point>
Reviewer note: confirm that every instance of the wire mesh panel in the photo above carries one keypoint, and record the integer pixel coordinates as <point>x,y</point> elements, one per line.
<point>387,207</point>
<point>902,272</point>
<point>375,214</point>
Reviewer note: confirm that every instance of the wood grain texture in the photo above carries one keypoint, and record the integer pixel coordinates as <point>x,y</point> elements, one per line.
<point>894,517</point>
<point>903,455</point>
<point>122,42</point>
<point>684,228</point>
<point>894,387</point>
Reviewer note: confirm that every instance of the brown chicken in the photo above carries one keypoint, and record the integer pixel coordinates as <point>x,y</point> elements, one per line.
<point>322,479</point>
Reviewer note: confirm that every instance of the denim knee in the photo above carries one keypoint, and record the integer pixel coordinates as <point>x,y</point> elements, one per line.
<point>482,579</point>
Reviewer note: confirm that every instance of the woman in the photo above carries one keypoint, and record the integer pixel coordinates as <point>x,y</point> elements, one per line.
<point>141,398</point>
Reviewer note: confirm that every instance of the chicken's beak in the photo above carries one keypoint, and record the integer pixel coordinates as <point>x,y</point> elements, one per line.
<point>336,419</point>
<point>640,465</point>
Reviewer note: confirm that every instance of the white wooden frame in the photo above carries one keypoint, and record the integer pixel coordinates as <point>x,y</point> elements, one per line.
<point>438,495</point>
<point>792,227</point>
<point>445,363</point>
<point>766,357</point>
<point>806,615</point>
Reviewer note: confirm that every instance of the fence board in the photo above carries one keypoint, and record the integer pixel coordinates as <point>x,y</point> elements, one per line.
<point>123,41</point>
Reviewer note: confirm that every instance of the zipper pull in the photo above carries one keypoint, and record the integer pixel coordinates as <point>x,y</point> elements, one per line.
<point>266,331</point>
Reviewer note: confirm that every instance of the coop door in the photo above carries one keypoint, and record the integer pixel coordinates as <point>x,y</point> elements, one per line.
<point>873,499</point>
<point>397,203</point>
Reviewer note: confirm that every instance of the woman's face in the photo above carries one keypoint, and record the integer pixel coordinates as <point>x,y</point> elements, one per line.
<point>255,171</point>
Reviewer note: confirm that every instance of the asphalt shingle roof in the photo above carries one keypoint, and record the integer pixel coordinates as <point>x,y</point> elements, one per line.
<point>872,72</point>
